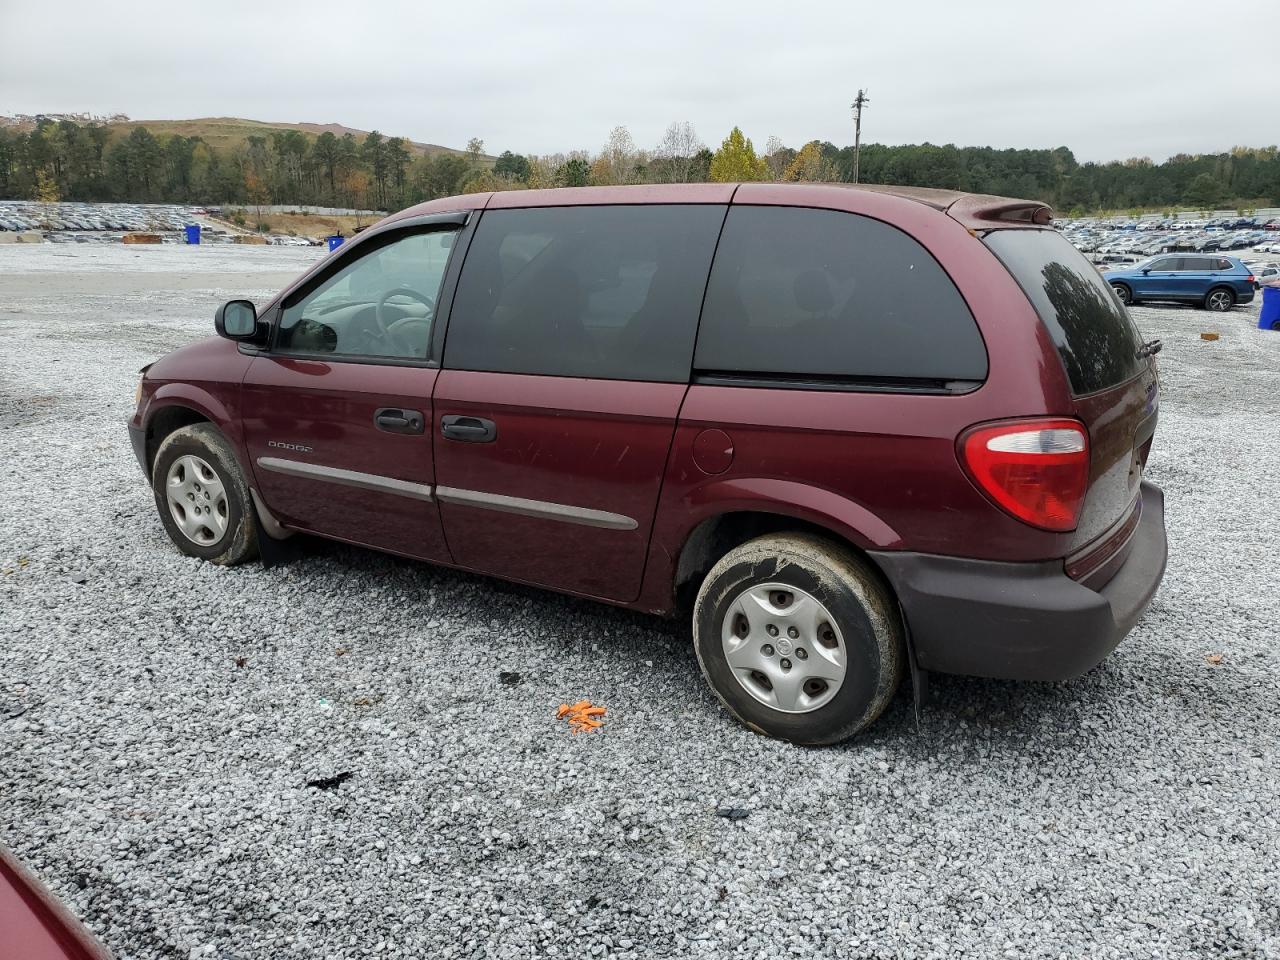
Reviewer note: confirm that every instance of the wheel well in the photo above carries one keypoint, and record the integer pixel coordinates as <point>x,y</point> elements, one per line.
<point>716,536</point>
<point>165,421</point>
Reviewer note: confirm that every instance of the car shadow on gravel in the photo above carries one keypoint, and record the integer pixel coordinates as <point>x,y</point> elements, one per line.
<point>998,716</point>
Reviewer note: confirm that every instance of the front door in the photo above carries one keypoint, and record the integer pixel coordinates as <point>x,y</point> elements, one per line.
<point>337,413</point>
<point>568,356</point>
<point>1161,279</point>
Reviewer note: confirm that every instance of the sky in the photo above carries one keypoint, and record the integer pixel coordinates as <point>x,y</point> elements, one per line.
<point>1109,80</point>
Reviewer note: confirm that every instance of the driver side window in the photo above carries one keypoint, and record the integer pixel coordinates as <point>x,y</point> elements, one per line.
<point>381,304</point>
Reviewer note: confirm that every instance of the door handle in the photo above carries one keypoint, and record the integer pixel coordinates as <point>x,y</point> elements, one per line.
<point>470,429</point>
<point>395,420</point>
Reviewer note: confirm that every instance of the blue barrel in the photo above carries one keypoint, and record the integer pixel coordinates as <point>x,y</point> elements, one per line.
<point>334,242</point>
<point>1269,315</point>
<point>193,233</point>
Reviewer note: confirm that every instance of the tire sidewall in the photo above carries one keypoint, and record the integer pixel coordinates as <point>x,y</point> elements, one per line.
<point>862,695</point>
<point>205,443</point>
<point>1123,292</point>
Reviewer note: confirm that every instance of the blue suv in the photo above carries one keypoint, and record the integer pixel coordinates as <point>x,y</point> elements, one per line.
<point>1214,282</point>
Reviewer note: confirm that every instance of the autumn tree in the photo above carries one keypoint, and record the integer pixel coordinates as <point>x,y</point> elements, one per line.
<point>618,159</point>
<point>736,160</point>
<point>256,192</point>
<point>810,164</point>
<point>475,149</point>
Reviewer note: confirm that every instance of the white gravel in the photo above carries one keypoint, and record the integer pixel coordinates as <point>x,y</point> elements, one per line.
<point>161,787</point>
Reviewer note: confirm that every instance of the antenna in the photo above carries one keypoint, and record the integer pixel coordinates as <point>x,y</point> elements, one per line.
<point>858,103</point>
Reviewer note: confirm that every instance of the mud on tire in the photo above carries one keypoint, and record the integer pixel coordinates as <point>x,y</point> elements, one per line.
<point>744,608</point>
<point>211,520</point>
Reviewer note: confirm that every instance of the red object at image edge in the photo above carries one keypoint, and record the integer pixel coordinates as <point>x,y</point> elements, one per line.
<point>34,925</point>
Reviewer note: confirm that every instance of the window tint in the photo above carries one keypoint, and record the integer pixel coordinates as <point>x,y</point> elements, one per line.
<point>1222,263</point>
<point>380,304</point>
<point>818,293</point>
<point>610,292</point>
<point>1096,339</point>
<point>1166,263</point>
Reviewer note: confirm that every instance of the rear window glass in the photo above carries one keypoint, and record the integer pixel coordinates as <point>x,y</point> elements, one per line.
<point>1094,335</point>
<point>609,292</point>
<point>801,293</point>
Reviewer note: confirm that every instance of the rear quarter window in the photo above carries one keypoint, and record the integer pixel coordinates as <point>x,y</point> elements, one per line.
<point>1092,330</point>
<point>807,294</point>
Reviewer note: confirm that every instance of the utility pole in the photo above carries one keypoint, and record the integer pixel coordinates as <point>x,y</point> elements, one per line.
<point>858,103</point>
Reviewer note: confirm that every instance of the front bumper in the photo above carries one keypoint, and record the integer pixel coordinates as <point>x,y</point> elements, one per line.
<point>1025,621</point>
<point>138,438</point>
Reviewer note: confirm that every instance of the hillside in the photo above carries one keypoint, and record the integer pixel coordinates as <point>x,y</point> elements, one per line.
<point>221,132</point>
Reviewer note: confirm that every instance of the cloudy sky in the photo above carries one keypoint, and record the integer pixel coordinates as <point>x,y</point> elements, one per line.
<point>1108,79</point>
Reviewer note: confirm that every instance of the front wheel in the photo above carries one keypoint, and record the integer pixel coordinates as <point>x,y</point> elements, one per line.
<point>799,638</point>
<point>1124,293</point>
<point>202,497</point>
<point>1219,299</point>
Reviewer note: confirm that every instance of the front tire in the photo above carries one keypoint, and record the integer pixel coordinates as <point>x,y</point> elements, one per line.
<point>1124,293</point>
<point>202,496</point>
<point>799,638</point>
<point>1219,300</point>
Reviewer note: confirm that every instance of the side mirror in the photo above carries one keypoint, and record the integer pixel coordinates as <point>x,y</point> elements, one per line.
<point>236,320</point>
<point>1146,271</point>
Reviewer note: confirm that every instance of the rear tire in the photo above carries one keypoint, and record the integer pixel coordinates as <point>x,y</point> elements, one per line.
<point>1220,299</point>
<point>202,496</point>
<point>799,638</point>
<point>1124,293</point>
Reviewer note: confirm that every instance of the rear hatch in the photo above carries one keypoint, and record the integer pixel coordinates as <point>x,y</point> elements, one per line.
<point>1113,385</point>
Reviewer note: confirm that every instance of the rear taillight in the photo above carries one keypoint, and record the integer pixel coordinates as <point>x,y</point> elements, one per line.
<point>1249,278</point>
<point>1036,470</point>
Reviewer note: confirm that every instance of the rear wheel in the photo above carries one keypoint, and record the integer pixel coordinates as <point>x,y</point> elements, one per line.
<point>1275,324</point>
<point>799,638</point>
<point>1219,299</point>
<point>202,496</point>
<point>1124,293</point>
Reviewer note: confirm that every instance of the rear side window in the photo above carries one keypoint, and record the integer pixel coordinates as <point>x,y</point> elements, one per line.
<point>609,292</point>
<point>1096,339</point>
<point>800,294</point>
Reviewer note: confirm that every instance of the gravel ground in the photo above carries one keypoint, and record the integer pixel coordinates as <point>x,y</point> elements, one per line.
<point>160,718</point>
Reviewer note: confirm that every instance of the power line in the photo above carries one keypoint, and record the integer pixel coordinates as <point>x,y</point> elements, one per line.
<point>858,104</point>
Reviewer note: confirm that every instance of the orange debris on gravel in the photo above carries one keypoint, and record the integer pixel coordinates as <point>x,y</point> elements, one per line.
<point>581,716</point>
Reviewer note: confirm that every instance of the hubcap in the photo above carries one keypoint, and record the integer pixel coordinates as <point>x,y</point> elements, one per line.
<point>197,500</point>
<point>1220,300</point>
<point>784,647</point>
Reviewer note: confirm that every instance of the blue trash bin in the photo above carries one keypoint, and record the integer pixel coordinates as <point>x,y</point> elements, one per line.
<point>193,233</point>
<point>1269,315</point>
<point>334,242</point>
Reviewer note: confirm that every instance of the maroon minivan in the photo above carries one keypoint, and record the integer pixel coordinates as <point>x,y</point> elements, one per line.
<point>850,431</point>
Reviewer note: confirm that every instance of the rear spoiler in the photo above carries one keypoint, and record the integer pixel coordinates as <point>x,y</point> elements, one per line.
<point>979,212</point>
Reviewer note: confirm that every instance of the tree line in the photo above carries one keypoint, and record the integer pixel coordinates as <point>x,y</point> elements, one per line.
<point>86,161</point>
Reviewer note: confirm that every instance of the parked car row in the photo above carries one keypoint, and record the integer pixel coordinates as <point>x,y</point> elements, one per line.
<point>1110,242</point>
<point>30,215</point>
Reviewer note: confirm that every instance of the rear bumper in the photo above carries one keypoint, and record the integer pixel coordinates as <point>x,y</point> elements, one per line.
<point>1025,621</point>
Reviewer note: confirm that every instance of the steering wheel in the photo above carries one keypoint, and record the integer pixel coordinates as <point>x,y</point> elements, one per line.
<point>385,325</point>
